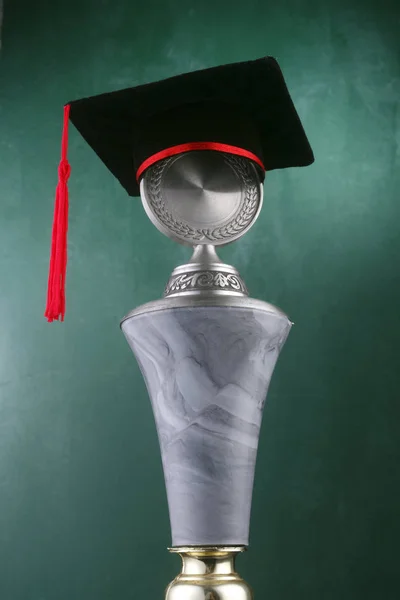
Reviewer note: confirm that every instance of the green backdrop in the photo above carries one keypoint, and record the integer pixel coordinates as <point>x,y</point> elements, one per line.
<point>82,504</point>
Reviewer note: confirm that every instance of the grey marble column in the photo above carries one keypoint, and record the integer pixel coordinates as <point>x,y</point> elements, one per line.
<point>207,370</point>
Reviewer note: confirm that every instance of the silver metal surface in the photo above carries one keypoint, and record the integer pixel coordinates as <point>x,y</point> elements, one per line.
<point>213,300</point>
<point>202,197</point>
<point>202,282</point>
<point>208,574</point>
<point>204,275</point>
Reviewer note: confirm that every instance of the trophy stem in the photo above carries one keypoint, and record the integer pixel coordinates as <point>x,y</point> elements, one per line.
<point>208,573</point>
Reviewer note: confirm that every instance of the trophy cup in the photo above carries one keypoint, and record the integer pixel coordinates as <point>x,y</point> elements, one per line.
<point>207,352</point>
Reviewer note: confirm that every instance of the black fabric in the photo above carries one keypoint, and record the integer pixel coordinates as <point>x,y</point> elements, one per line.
<point>243,104</point>
<point>211,121</point>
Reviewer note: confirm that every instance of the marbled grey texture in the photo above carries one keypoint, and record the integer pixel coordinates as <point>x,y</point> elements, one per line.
<point>207,370</point>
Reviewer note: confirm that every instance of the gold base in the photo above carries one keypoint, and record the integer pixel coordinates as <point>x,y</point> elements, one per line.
<point>208,573</point>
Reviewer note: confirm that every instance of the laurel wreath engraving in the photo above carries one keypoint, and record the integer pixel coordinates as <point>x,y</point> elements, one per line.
<point>200,280</point>
<point>242,219</point>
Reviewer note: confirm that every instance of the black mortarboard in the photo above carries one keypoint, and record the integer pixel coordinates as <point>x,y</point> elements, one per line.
<point>245,105</point>
<point>242,108</point>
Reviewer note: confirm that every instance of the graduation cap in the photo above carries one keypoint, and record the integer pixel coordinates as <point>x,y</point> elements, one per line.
<point>242,108</point>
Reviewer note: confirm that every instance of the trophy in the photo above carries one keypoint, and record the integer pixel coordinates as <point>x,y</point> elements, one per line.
<point>207,352</point>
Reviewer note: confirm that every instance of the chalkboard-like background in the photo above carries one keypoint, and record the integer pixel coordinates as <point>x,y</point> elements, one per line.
<point>82,504</point>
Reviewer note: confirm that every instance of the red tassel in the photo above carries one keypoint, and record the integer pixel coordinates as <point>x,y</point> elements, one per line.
<point>55,307</point>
